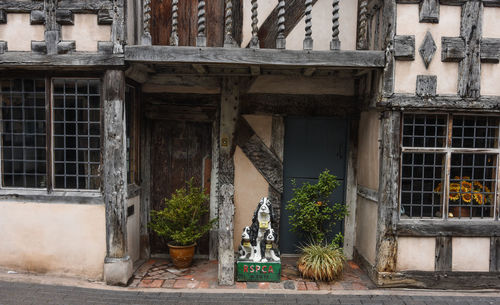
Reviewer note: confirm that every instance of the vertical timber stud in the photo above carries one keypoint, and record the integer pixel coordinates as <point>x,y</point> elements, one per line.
<point>214,189</point>
<point>254,42</point>
<point>351,190</point>
<point>335,43</point>
<point>118,26</point>
<point>51,27</point>
<point>389,32</point>
<point>443,253</point>
<point>388,194</point>
<point>308,41</point>
<point>469,69</point>
<point>362,40</point>
<point>146,23</point>
<point>228,24</point>
<point>277,147</point>
<point>229,113</point>
<point>117,265</point>
<point>201,39</point>
<point>145,186</point>
<point>281,39</point>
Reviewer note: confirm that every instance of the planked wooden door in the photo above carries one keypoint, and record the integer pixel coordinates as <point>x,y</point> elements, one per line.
<point>179,150</point>
<point>161,22</point>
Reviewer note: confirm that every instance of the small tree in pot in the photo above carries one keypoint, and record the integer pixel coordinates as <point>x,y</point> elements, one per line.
<point>181,222</point>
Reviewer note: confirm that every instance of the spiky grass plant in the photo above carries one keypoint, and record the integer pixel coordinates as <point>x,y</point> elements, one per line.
<point>321,262</point>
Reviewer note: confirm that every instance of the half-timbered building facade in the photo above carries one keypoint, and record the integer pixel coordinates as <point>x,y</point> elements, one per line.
<point>108,106</point>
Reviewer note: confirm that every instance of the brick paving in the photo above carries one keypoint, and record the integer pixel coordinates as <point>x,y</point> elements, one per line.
<point>20,293</point>
<point>157,273</point>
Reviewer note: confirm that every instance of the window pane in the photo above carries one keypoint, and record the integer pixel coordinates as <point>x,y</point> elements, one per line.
<point>424,130</point>
<point>472,185</point>
<point>421,185</point>
<point>22,114</point>
<point>76,134</point>
<point>475,132</point>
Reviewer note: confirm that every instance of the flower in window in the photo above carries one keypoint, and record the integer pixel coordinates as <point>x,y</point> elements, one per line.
<point>467,190</point>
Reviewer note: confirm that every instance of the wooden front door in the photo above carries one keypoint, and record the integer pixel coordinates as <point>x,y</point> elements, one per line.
<point>311,146</point>
<point>179,150</point>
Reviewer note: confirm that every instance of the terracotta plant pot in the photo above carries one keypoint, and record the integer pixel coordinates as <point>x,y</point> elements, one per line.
<point>182,256</point>
<point>462,211</point>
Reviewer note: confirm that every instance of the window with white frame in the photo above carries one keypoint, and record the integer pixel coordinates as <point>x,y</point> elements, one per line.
<point>50,133</point>
<point>449,166</point>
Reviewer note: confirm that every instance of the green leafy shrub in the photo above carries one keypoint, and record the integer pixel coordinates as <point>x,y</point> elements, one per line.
<point>313,215</point>
<point>321,261</point>
<point>180,220</point>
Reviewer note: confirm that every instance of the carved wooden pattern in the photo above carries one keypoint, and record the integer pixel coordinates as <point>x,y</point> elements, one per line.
<point>308,41</point>
<point>427,49</point>
<point>280,40</point>
<point>363,26</point>
<point>228,24</point>
<point>335,43</point>
<point>174,37</point>
<point>254,42</point>
<point>201,39</point>
<point>146,32</point>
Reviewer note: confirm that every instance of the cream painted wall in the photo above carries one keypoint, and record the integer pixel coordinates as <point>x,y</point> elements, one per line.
<point>321,24</point>
<point>416,253</point>
<point>322,27</point>
<point>366,228</point>
<point>66,239</point>
<point>19,33</point>
<point>406,71</point>
<point>86,32</point>
<point>368,150</point>
<point>490,73</point>
<point>249,184</point>
<point>470,254</point>
<point>133,229</point>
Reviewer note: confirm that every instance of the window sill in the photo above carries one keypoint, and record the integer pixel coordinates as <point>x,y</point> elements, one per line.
<point>459,228</point>
<point>59,196</point>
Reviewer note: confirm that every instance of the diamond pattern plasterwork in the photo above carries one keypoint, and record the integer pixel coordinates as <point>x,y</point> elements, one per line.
<point>427,49</point>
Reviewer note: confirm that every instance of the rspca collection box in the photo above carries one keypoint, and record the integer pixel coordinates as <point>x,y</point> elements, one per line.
<point>248,271</point>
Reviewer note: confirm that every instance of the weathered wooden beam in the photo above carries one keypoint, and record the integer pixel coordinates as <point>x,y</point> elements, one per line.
<point>87,6</point>
<point>66,46</point>
<point>16,59</point>
<point>469,69</point>
<point>426,85</point>
<point>491,3</point>
<point>404,47</point>
<point>367,193</point>
<point>407,101</point>
<point>104,17</point>
<point>200,69</point>
<point>37,17</point>
<point>270,57</point>
<point>3,46</point>
<point>229,114</point>
<point>39,47</point>
<point>362,30</point>
<point>490,50</point>
<point>351,190</point>
<point>65,17</point>
<point>388,212</point>
<point>255,70</point>
<point>3,17</point>
<point>443,253</point>
<point>20,6</point>
<point>388,32</point>
<point>452,49</point>
<point>145,168</point>
<point>277,147</point>
<point>261,156</point>
<point>429,11</point>
<point>309,71</point>
<point>495,254</point>
<point>118,26</point>
<point>180,113</point>
<point>465,228</point>
<point>214,188</point>
<point>118,266</point>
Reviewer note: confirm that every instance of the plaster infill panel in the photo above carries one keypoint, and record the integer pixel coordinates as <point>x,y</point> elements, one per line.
<point>249,187</point>
<point>262,125</point>
<point>63,239</point>
<point>133,229</point>
<point>19,33</point>
<point>416,253</point>
<point>366,229</point>
<point>470,254</point>
<point>322,27</point>
<point>490,73</point>
<point>86,32</point>
<point>406,71</point>
<point>368,150</point>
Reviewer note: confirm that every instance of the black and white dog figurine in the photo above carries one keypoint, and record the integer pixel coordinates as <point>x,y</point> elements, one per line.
<point>268,252</point>
<point>245,248</point>
<point>261,221</point>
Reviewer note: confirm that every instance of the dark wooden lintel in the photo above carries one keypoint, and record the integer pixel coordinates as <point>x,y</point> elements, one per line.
<point>3,17</point>
<point>429,11</point>
<point>452,49</point>
<point>37,17</point>
<point>20,6</point>
<point>85,6</point>
<point>456,228</point>
<point>269,57</point>
<point>440,103</point>
<point>104,17</point>
<point>65,17</point>
<point>26,59</point>
<point>404,47</point>
<point>490,50</point>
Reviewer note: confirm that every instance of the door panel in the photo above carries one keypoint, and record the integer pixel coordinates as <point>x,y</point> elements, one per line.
<point>311,146</point>
<point>179,151</point>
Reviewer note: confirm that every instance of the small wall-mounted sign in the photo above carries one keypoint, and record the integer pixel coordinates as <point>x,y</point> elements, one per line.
<point>224,141</point>
<point>258,272</point>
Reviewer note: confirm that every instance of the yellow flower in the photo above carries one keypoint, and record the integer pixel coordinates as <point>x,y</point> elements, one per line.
<point>479,198</point>
<point>438,188</point>
<point>466,186</point>
<point>467,197</point>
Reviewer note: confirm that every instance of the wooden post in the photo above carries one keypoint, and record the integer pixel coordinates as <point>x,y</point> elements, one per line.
<point>118,27</point>
<point>51,27</point>
<point>362,43</point>
<point>145,186</point>
<point>146,18</point>
<point>277,147</point>
<point>201,39</point>
<point>281,39</point>
<point>214,190</point>
<point>351,190</point>
<point>308,41</point>
<point>335,43</point>
<point>389,31</point>
<point>254,42</point>
<point>174,37</point>
<point>228,24</point>
<point>117,265</point>
<point>229,113</point>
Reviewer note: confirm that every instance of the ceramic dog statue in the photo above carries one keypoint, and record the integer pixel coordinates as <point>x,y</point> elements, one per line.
<point>268,252</point>
<point>246,249</point>
<point>261,221</point>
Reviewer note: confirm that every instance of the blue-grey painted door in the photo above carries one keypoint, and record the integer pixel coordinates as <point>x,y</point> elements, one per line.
<point>311,146</point>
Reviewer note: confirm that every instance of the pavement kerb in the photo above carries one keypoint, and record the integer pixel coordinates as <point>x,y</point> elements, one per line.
<point>81,283</point>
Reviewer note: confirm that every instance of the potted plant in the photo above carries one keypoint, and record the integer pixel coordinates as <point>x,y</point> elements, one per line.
<point>181,222</point>
<point>314,216</point>
<point>464,193</point>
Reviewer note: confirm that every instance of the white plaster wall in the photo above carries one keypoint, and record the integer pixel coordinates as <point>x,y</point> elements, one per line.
<point>249,184</point>
<point>302,85</point>
<point>19,33</point>
<point>406,71</point>
<point>490,73</point>
<point>133,229</point>
<point>265,8</point>
<point>322,27</point>
<point>416,253</point>
<point>86,32</point>
<point>368,150</point>
<point>67,239</point>
<point>470,254</point>
<point>366,228</point>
